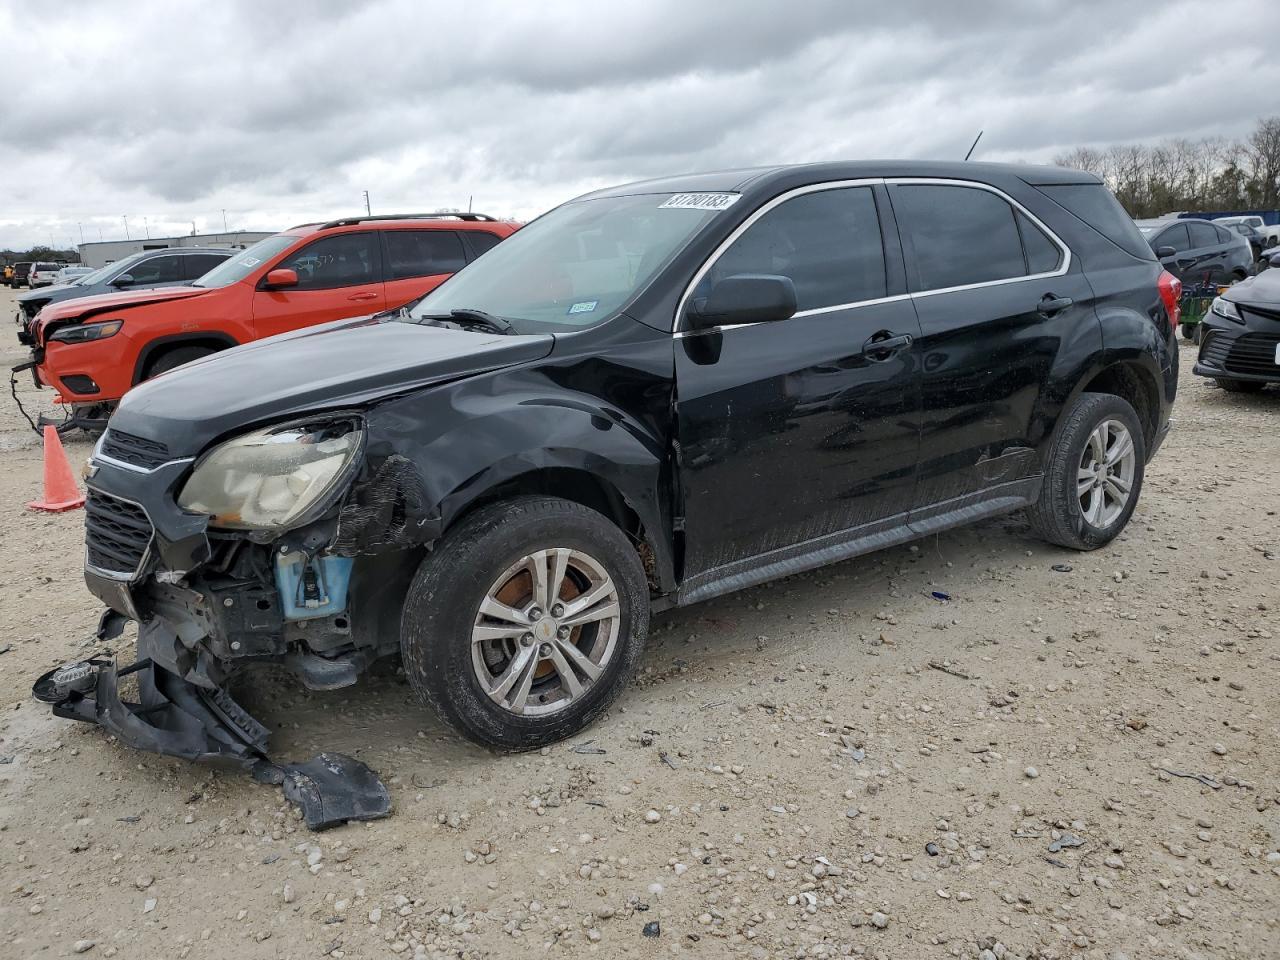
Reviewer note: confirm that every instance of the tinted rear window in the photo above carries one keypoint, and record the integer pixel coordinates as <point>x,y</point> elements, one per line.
<point>1094,204</point>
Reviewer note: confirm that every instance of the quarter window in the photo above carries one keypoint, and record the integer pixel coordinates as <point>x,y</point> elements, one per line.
<point>343,260</point>
<point>828,242</point>
<point>1043,255</point>
<point>482,241</point>
<point>960,235</point>
<point>423,253</point>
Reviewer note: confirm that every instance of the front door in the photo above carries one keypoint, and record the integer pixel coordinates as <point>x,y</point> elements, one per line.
<point>997,315</point>
<point>799,430</point>
<point>339,276</point>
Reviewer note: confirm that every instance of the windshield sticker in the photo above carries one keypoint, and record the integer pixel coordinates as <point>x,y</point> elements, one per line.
<point>249,261</point>
<point>701,201</point>
<point>584,306</point>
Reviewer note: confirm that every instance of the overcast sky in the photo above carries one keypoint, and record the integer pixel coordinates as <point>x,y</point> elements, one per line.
<point>281,113</point>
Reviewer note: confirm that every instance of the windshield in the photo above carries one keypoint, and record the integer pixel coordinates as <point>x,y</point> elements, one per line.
<point>244,263</point>
<point>576,266</point>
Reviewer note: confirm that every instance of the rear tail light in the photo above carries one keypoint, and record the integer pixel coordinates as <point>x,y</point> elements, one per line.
<point>1171,295</point>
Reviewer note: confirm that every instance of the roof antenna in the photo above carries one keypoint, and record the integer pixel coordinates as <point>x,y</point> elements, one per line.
<point>975,143</point>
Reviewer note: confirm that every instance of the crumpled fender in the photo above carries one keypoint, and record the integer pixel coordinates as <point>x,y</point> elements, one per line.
<point>465,441</point>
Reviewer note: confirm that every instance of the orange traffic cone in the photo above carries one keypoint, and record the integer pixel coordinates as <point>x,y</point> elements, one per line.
<point>60,490</point>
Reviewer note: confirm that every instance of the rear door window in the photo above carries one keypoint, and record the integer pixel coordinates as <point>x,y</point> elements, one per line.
<point>1176,237</point>
<point>423,253</point>
<point>196,265</point>
<point>828,242</point>
<point>960,235</point>
<point>342,260</point>
<point>1202,234</point>
<point>167,269</point>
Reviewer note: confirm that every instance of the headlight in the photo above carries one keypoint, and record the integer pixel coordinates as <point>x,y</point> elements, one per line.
<point>1227,309</point>
<point>270,479</point>
<point>85,332</point>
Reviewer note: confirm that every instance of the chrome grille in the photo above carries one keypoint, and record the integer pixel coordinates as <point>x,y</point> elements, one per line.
<point>137,451</point>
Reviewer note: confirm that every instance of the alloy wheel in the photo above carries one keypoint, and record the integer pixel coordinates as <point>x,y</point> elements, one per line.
<point>1104,479</point>
<point>545,631</point>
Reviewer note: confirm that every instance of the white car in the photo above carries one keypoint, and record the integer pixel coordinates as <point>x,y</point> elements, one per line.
<point>43,274</point>
<point>71,275</point>
<point>1271,232</point>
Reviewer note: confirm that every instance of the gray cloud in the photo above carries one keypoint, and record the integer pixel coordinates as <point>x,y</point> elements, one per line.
<point>283,113</point>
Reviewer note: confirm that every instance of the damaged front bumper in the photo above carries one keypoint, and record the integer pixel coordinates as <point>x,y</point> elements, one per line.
<point>208,605</point>
<point>175,717</point>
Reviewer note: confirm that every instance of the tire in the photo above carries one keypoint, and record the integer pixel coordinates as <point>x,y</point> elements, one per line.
<point>1240,386</point>
<point>176,357</point>
<point>446,665</point>
<point>1058,516</point>
<point>1188,331</point>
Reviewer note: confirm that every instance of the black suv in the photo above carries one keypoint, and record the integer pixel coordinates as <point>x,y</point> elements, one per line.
<point>650,396</point>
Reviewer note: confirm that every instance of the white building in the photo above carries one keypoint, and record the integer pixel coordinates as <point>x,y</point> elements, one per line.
<point>101,253</point>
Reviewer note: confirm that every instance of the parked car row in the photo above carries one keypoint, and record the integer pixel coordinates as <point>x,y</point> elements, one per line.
<point>28,273</point>
<point>142,316</point>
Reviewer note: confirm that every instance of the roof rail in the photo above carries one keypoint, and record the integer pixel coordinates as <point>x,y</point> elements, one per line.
<point>437,215</point>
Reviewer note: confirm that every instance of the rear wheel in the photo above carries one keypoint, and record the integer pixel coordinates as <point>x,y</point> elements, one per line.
<point>1189,331</point>
<point>175,357</point>
<point>525,622</point>
<point>1240,386</point>
<point>1093,476</point>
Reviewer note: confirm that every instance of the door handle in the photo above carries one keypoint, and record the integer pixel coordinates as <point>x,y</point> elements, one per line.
<point>884,344</point>
<point>363,296</point>
<point>1049,304</point>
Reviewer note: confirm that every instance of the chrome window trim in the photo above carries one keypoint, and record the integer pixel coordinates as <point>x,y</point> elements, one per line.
<point>1062,269</point>
<point>742,228</point>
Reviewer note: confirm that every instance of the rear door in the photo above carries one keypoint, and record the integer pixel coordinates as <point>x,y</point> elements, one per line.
<point>339,276</point>
<point>418,261</point>
<point>997,297</point>
<point>800,430</point>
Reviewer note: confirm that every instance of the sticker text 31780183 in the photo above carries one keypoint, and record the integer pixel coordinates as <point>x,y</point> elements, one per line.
<point>700,201</point>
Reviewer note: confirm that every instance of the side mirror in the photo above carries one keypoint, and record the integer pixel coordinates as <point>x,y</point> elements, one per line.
<point>124,280</point>
<point>745,298</point>
<point>280,278</point>
<point>1164,253</point>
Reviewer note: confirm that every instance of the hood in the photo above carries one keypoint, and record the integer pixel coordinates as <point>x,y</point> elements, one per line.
<point>85,307</point>
<point>346,363</point>
<point>1263,290</point>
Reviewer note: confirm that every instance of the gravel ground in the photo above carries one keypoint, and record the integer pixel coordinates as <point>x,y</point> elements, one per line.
<point>838,763</point>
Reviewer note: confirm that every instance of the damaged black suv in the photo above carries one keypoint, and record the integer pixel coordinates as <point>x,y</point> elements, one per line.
<point>650,396</point>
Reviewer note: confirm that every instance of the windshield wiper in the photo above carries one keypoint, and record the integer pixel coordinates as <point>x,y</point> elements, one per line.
<point>464,316</point>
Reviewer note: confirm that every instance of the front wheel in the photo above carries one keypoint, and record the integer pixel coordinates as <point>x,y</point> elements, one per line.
<point>525,622</point>
<point>1093,475</point>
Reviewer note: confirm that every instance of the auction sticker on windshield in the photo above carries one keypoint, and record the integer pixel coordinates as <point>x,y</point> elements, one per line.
<point>701,201</point>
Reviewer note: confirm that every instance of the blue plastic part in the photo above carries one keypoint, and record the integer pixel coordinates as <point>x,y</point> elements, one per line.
<point>312,589</point>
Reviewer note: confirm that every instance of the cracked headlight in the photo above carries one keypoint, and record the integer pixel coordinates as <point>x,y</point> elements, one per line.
<point>273,479</point>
